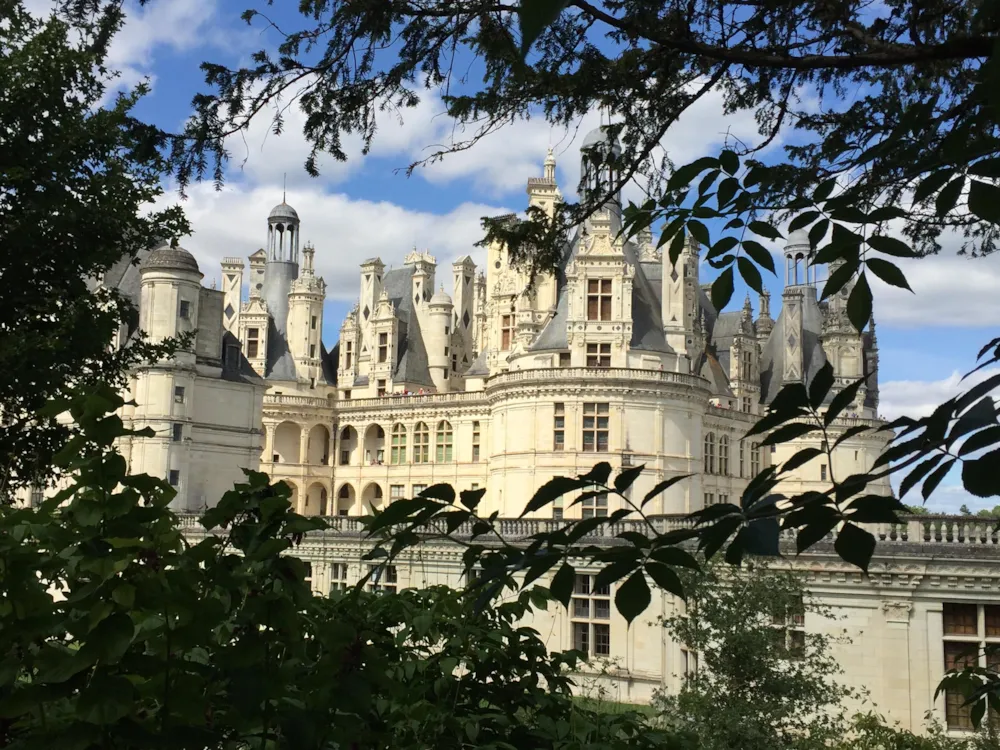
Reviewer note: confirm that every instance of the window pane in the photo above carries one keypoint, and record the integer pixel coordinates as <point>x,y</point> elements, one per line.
<point>992,621</point>
<point>581,585</point>
<point>960,619</point>
<point>604,590</point>
<point>958,654</point>
<point>602,640</point>
<point>602,609</point>
<point>957,716</point>
<point>581,608</point>
<point>581,636</point>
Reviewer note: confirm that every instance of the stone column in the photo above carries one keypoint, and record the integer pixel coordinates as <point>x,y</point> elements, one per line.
<point>303,445</point>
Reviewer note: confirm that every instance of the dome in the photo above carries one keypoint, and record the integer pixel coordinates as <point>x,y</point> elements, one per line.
<point>798,238</point>
<point>599,137</point>
<point>283,212</point>
<point>165,257</point>
<point>441,298</point>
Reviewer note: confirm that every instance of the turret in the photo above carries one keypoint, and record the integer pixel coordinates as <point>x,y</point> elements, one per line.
<point>599,151</point>
<point>463,321</point>
<point>543,192</point>
<point>799,270</point>
<point>440,311</point>
<point>280,270</point>
<point>371,289</point>
<point>424,266</point>
<point>232,290</point>
<point>305,318</point>
<point>170,290</point>
<point>679,305</point>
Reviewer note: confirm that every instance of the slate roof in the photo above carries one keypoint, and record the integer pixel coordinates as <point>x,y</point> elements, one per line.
<point>411,354</point>
<point>772,357</point>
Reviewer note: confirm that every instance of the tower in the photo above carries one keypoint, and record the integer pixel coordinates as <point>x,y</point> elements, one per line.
<point>543,192</point>
<point>305,318</point>
<point>232,290</point>
<point>679,306</point>
<point>440,311</point>
<point>371,290</point>
<point>464,273</point>
<point>280,269</point>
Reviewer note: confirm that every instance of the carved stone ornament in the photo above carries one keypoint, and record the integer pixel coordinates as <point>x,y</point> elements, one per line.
<point>897,611</point>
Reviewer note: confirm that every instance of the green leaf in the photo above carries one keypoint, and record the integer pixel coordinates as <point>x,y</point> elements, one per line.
<point>722,246</point>
<point>891,246</point>
<point>562,584</point>
<point>986,168</point>
<point>764,229</point>
<point>750,274</point>
<point>931,483</point>
<point>759,254</point>
<point>855,545</point>
<point>727,189</point>
<point>788,432</point>
<point>699,231</point>
<point>106,700</point>
<point>825,190</point>
<point>471,498</point>
<point>535,16</point>
<point>984,201</point>
<point>802,457</point>
<point>729,161</point>
<point>859,304</point>
<point>614,571</point>
<point>839,278</point>
<point>666,578</point>
<point>888,272</point>
<point>803,220</point>
<point>818,232</point>
<point>625,479</point>
<point>441,491</point>
<point>816,531</point>
<point>599,474</point>
<point>981,477</point>
<point>674,557</point>
<point>844,398</point>
<point>722,289</point>
<point>124,595</point>
<point>109,641</point>
<point>931,184</point>
<point>949,196</point>
<point>633,597</point>
<point>875,509</point>
<point>821,384</point>
<point>662,487</point>
<point>555,487</point>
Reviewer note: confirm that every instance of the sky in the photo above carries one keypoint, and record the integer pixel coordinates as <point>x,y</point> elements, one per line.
<point>368,207</point>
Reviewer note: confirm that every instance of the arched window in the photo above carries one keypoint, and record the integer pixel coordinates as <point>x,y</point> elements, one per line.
<point>443,442</point>
<point>724,455</point>
<point>754,459</point>
<point>710,453</point>
<point>345,434</point>
<point>421,444</point>
<point>397,454</point>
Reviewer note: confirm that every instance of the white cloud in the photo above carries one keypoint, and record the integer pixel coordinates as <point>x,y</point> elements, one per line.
<point>918,398</point>
<point>345,231</point>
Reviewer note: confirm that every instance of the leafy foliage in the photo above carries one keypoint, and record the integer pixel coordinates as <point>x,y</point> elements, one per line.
<point>115,631</point>
<point>77,181</point>
<point>756,686</point>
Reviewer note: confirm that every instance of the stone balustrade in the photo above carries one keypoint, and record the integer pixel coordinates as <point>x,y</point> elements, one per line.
<point>290,400</point>
<point>596,375</point>
<point>410,400</point>
<point>949,530</point>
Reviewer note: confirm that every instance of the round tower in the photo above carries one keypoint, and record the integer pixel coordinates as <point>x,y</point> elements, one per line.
<point>280,269</point>
<point>437,337</point>
<point>799,270</point>
<point>170,289</point>
<point>305,318</point>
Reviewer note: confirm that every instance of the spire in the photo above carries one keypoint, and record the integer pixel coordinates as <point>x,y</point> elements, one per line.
<point>765,304</point>
<point>871,328</point>
<point>550,166</point>
<point>284,187</point>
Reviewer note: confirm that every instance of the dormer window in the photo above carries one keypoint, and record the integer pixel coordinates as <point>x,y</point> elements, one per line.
<point>383,347</point>
<point>348,346</point>
<point>253,343</point>
<point>599,299</point>
<point>506,331</point>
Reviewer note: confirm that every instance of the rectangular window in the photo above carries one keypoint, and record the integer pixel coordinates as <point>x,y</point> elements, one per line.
<point>312,322</point>
<point>345,458</point>
<point>312,351</point>
<point>506,332</point>
<point>178,394</point>
<point>178,433</point>
<point>338,577</point>
<point>599,299</point>
<point>557,509</point>
<point>308,577</point>
<point>559,428</point>
<point>822,472</point>
<point>174,477</point>
<point>347,394</point>
<point>454,363</point>
<point>185,311</point>
<point>253,343</point>
<point>709,499</point>
<point>383,347</point>
<point>380,387</point>
<point>754,459</point>
<point>595,506</point>
<point>598,355</point>
<point>475,441</point>
<point>396,491</point>
<point>591,616</point>
<point>595,428</point>
<point>789,624</point>
<point>747,405</point>
<point>348,352</point>
<point>723,499</point>
<point>564,359</point>
<point>37,495</point>
<point>742,458</point>
<point>746,366</point>
<point>384,578</point>
<point>418,488</point>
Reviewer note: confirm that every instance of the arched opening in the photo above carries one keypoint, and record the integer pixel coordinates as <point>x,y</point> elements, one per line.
<point>348,444</point>
<point>371,500</point>
<point>315,501</point>
<point>318,447</point>
<point>444,442</point>
<point>345,500</point>
<point>374,445</point>
<point>397,453</point>
<point>287,437</point>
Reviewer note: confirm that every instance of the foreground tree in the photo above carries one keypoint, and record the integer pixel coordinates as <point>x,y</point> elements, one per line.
<point>74,194</point>
<point>756,680</point>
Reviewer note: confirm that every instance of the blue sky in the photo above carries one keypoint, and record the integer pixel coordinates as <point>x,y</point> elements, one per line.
<point>367,207</point>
